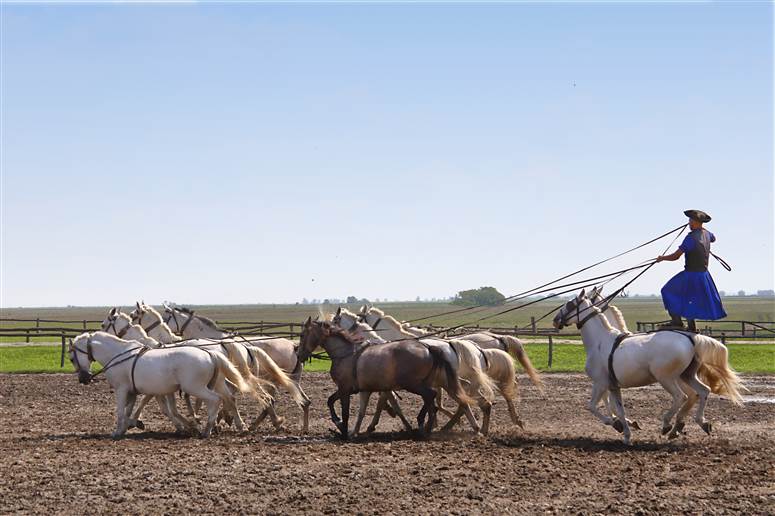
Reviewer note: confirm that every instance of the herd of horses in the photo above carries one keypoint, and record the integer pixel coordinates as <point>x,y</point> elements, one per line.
<point>158,355</point>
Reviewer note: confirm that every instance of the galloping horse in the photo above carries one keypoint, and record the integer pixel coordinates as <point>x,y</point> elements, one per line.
<point>672,358</point>
<point>133,368</point>
<point>357,366</point>
<point>280,358</point>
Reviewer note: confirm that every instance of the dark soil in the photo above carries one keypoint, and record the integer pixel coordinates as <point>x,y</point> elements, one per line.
<point>56,455</point>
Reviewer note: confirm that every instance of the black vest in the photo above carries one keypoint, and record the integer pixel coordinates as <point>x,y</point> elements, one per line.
<point>697,258</point>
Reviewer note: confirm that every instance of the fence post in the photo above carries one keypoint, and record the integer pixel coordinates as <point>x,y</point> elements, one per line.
<point>533,324</point>
<point>292,333</point>
<point>84,324</point>
<point>37,326</point>
<point>260,327</point>
<point>742,328</point>
<point>551,350</point>
<point>28,335</point>
<point>62,357</point>
<point>723,338</point>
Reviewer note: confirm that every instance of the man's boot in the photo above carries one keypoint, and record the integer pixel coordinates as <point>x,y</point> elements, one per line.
<point>692,325</point>
<point>675,323</point>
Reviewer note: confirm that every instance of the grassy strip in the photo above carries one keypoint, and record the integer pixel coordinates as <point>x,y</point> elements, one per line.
<point>745,358</point>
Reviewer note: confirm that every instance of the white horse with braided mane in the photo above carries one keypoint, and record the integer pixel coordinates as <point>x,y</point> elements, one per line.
<point>471,363</point>
<point>672,358</point>
<point>274,360</point>
<point>132,368</point>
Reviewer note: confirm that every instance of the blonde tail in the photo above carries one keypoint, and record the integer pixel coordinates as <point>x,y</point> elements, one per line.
<point>517,350</point>
<point>714,369</point>
<point>471,371</point>
<point>233,376</point>
<point>238,362</point>
<point>276,375</point>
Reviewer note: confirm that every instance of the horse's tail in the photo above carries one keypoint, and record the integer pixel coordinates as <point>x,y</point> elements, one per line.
<point>232,375</point>
<point>507,373</point>
<point>714,369</point>
<point>453,383</point>
<point>471,370</point>
<point>240,364</point>
<point>515,348</point>
<point>276,375</point>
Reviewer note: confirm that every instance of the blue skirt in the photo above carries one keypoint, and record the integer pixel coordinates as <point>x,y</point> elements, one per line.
<point>693,295</point>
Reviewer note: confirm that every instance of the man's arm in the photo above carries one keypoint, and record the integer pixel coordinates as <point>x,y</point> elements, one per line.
<point>670,257</point>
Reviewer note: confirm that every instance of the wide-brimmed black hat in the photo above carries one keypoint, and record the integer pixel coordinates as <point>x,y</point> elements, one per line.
<point>697,215</point>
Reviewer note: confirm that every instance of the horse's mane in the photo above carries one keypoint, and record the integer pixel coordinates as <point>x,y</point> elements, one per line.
<point>340,332</point>
<point>619,317</point>
<point>392,320</point>
<point>205,320</point>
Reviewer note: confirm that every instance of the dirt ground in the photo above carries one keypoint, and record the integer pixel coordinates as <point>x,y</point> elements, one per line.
<point>56,455</point>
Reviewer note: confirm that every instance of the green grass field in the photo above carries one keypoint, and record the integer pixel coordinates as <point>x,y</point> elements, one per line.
<point>634,309</point>
<point>745,358</point>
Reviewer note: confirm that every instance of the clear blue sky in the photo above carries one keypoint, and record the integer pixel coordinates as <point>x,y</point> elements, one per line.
<point>236,153</point>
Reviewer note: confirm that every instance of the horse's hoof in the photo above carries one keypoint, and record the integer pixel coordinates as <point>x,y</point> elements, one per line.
<point>370,430</point>
<point>618,426</point>
<point>707,426</point>
<point>635,425</point>
<point>139,424</point>
<point>278,423</point>
<point>672,435</point>
<point>520,424</point>
<point>666,429</point>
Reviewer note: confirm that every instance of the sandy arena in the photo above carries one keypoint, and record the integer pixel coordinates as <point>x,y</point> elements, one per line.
<point>56,455</point>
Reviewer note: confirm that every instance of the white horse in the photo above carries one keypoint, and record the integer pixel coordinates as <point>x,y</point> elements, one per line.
<point>146,317</point>
<point>470,361</point>
<point>120,324</point>
<point>274,360</point>
<point>672,358</point>
<point>132,368</point>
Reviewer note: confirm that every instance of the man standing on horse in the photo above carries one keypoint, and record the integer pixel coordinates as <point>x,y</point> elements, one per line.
<point>692,293</point>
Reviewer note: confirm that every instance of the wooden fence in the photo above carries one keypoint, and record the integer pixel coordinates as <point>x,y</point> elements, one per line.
<point>749,330</point>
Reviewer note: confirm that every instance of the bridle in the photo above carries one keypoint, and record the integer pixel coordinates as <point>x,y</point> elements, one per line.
<point>362,318</point>
<point>575,304</point>
<point>90,356</point>
<point>174,316</point>
<point>153,325</point>
<point>112,326</point>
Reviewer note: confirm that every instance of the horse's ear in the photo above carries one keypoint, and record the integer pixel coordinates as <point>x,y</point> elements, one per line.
<point>582,293</point>
<point>138,305</point>
<point>112,311</point>
<point>308,321</point>
<point>339,311</point>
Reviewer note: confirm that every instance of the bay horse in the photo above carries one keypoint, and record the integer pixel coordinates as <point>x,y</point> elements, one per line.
<point>358,366</point>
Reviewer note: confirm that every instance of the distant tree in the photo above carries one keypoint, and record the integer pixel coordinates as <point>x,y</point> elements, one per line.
<point>483,296</point>
<point>417,299</point>
<point>741,293</point>
<point>351,300</point>
<point>326,302</point>
<point>305,301</point>
<point>722,293</point>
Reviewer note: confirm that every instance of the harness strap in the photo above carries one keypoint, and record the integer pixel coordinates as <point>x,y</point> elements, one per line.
<point>484,356</point>
<point>503,343</point>
<point>134,364</point>
<point>188,321</point>
<point>152,326</point>
<point>613,383</point>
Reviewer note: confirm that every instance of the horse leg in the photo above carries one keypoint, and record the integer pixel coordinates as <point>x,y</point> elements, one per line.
<point>702,391</point>
<point>486,408</point>
<point>363,403</point>
<point>429,402</point>
<point>381,402</point>
<point>229,404</point>
<point>692,398</point>
<point>305,409</point>
<point>134,420</point>
<point>598,390</point>
<point>330,402</point>
<point>344,400</point>
<point>397,409</point>
<point>679,399</point>
<point>512,410</point>
<point>168,406</point>
<point>619,407</point>
<point>440,404</point>
<point>121,419</point>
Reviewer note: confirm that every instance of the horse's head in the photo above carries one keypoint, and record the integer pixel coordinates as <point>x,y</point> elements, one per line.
<point>313,333</point>
<point>81,357</point>
<point>110,320</point>
<point>171,318</point>
<point>145,315</point>
<point>573,311</point>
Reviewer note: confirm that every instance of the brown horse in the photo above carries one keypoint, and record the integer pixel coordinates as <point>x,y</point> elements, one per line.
<point>358,366</point>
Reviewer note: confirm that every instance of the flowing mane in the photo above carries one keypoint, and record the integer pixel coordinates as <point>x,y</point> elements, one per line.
<point>339,332</point>
<point>392,320</point>
<point>205,320</point>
